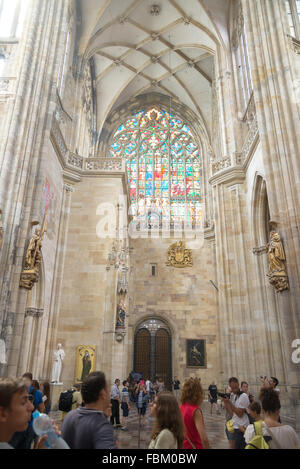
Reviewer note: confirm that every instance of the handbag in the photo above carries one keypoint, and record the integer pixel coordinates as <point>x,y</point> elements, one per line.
<point>230,426</point>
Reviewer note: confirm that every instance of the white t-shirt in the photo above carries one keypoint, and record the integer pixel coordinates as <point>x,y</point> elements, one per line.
<point>285,435</point>
<point>148,385</point>
<point>241,402</point>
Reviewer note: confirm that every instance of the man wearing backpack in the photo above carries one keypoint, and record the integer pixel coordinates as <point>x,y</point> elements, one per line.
<point>70,400</point>
<point>88,427</point>
<point>237,407</point>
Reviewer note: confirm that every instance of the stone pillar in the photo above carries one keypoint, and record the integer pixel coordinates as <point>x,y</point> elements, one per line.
<point>272,60</point>
<point>29,123</point>
<point>52,329</point>
<point>108,364</point>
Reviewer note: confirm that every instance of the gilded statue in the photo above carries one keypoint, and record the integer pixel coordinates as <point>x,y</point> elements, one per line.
<point>277,268</point>
<point>33,254</point>
<point>179,256</point>
<point>33,258</point>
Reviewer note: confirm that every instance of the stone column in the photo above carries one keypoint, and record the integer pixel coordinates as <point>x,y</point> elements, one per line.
<point>51,339</point>
<point>272,60</point>
<point>29,123</point>
<point>107,354</point>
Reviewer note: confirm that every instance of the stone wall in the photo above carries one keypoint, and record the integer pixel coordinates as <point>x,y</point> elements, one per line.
<point>183,297</point>
<point>87,309</point>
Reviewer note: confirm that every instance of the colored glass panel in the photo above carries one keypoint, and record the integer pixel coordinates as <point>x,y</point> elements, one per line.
<point>163,165</point>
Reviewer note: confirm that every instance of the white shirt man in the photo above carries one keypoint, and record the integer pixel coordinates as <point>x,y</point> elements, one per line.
<point>237,406</point>
<point>148,384</point>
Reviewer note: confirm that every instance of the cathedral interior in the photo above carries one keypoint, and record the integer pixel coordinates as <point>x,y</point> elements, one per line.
<point>150,190</point>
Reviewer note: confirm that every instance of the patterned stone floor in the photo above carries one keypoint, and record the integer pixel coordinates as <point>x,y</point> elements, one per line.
<point>131,440</point>
<point>214,424</point>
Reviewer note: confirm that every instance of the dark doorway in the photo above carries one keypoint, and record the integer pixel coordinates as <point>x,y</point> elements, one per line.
<point>153,351</point>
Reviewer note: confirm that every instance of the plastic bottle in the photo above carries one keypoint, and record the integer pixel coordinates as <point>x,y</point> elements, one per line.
<point>42,425</point>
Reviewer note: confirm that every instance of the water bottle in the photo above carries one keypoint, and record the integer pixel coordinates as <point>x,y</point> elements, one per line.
<point>42,425</point>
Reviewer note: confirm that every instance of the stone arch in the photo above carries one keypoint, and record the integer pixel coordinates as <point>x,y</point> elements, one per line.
<point>197,127</point>
<point>154,339</point>
<point>260,211</point>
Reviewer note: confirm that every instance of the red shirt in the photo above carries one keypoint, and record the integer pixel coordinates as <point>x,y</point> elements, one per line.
<point>187,411</point>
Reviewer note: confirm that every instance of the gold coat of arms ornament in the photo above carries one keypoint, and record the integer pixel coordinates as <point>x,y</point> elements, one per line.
<point>179,255</point>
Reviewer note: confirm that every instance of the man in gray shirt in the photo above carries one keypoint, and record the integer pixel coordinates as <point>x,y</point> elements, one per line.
<point>88,427</point>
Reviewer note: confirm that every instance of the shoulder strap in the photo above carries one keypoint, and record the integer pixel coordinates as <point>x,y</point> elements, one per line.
<point>258,428</point>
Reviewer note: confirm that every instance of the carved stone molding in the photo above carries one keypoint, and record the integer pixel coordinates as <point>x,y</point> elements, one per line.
<point>34,312</point>
<point>120,334</point>
<point>77,163</point>
<point>68,188</point>
<point>231,175</point>
<point>221,164</point>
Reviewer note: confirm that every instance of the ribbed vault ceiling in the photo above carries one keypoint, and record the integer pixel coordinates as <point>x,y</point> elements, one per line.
<point>168,50</point>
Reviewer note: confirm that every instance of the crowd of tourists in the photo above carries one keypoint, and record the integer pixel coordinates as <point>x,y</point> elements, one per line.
<point>92,413</point>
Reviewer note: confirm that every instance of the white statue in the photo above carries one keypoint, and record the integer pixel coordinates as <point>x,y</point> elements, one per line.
<point>59,356</point>
<point>2,352</point>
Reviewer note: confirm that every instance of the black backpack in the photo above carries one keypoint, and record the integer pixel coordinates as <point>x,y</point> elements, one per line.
<point>66,400</point>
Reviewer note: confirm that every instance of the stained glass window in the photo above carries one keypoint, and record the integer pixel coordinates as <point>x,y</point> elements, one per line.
<point>163,167</point>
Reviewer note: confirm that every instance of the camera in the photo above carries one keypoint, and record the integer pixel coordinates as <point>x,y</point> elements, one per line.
<point>224,395</point>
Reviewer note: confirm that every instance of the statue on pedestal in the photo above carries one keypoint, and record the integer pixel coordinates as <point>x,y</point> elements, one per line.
<point>277,270</point>
<point>59,356</point>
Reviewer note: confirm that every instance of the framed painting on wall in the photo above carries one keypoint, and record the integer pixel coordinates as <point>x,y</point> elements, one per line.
<point>85,361</point>
<point>196,353</point>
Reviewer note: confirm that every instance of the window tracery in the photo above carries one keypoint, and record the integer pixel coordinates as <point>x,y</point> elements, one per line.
<point>163,168</point>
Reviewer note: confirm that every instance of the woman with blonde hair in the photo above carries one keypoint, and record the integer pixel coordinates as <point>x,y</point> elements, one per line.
<point>191,399</point>
<point>168,431</point>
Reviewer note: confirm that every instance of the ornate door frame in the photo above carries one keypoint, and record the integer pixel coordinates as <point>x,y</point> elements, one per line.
<point>153,325</point>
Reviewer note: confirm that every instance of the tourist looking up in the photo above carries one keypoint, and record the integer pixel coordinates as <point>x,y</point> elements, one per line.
<point>88,427</point>
<point>115,399</point>
<point>192,396</point>
<point>168,431</point>
<point>279,436</point>
<point>237,407</point>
